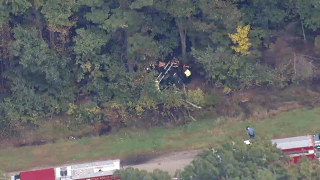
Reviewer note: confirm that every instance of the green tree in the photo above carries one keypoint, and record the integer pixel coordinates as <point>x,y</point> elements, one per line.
<point>267,14</point>
<point>58,16</point>
<point>260,160</point>
<point>181,11</point>
<point>230,70</point>
<point>123,23</point>
<point>307,12</point>
<point>12,7</point>
<point>304,169</point>
<point>40,80</point>
<point>265,18</point>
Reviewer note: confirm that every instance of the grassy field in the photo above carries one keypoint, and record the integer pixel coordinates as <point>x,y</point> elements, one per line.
<point>192,136</point>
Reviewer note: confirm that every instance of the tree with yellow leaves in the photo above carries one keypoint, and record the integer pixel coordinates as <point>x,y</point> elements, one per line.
<point>241,38</point>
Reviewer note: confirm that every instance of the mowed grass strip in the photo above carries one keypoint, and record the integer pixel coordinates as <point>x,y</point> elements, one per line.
<point>195,135</point>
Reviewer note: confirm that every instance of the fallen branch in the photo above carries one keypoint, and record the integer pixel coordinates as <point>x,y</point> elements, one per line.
<point>193,104</point>
<point>192,118</point>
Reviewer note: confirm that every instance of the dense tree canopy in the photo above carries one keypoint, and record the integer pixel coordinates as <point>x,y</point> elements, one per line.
<point>53,50</point>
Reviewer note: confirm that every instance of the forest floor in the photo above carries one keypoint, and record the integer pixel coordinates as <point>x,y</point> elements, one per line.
<point>157,141</point>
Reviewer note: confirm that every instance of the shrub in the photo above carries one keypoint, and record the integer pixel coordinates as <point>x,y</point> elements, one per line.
<point>211,99</point>
<point>196,96</point>
<point>90,113</point>
<point>136,174</point>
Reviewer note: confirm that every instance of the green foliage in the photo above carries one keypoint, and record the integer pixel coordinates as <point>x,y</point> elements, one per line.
<point>309,13</point>
<point>233,71</point>
<point>40,81</point>
<point>89,114</point>
<point>148,100</point>
<point>178,9</point>
<point>141,3</point>
<point>131,174</point>
<point>24,104</point>
<point>256,74</point>
<point>15,7</point>
<point>216,64</point>
<point>172,99</point>
<point>267,14</point>
<point>36,56</point>
<point>211,99</point>
<point>3,175</point>
<point>135,174</point>
<point>196,96</point>
<point>57,12</point>
<point>89,41</point>
<point>256,36</point>
<point>305,169</point>
<point>225,12</point>
<point>144,46</point>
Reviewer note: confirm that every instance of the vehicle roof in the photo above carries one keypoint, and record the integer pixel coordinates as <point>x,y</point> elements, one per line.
<point>92,169</point>
<point>44,174</point>
<point>316,137</point>
<point>294,142</point>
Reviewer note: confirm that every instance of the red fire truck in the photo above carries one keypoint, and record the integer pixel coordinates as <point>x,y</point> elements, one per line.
<point>43,174</point>
<point>102,170</point>
<point>295,147</point>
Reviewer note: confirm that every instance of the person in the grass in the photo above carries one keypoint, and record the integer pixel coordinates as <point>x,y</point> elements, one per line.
<point>250,132</point>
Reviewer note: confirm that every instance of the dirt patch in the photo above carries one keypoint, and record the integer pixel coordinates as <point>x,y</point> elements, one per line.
<point>139,159</point>
<point>199,81</point>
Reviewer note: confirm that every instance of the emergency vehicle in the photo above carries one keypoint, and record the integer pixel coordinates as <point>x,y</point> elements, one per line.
<point>295,147</point>
<point>102,170</point>
<point>316,139</point>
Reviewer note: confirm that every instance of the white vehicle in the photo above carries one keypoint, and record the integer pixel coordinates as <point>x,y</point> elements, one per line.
<point>295,147</point>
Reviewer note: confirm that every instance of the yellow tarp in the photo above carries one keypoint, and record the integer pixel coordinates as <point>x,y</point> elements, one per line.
<point>187,72</point>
